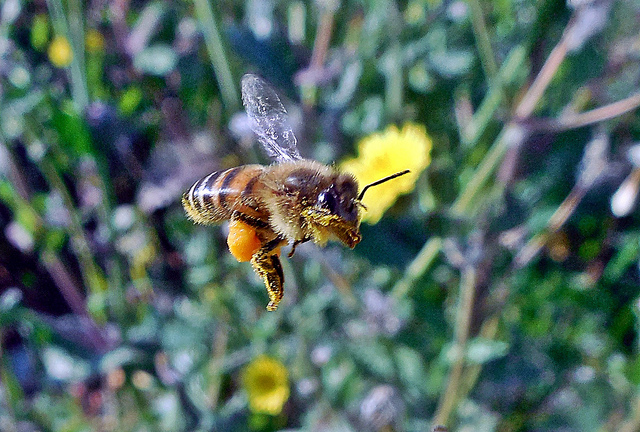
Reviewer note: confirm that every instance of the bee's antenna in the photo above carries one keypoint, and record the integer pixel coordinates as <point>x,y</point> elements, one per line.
<point>377,182</point>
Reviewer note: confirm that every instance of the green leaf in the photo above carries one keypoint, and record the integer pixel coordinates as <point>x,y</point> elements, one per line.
<point>337,377</point>
<point>40,32</point>
<point>72,130</point>
<point>410,366</point>
<point>156,60</point>
<point>626,256</point>
<point>122,356</point>
<point>130,100</point>
<point>452,63</point>
<point>376,358</point>
<point>481,350</point>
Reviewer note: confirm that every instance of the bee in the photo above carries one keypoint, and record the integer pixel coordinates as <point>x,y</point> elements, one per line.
<point>294,200</point>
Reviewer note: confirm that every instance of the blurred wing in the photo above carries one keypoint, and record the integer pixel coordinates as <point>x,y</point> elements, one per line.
<point>269,119</point>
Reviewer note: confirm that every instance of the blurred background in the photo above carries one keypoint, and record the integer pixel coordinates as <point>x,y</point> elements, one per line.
<point>497,290</point>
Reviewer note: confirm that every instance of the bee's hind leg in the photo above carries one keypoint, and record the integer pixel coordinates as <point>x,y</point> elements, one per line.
<point>267,264</point>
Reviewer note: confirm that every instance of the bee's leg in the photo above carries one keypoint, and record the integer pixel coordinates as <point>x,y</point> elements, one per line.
<point>249,220</point>
<point>267,265</point>
<point>296,243</point>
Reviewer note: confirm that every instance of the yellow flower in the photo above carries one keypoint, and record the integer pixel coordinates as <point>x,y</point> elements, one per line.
<point>385,153</point>
<point>94,41</point>
<point>266,382</point>
<point>60,52</point>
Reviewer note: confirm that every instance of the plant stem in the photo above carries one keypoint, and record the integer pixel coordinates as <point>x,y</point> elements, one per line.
<point>91,273</point>
<point>417,267</point>
<point>512,134</point>
<point>573,121</point>
<point>557,220</point>
<point>220,343</point>
<point>219,61</point>
<point>534,93</point>
<point>494,97</point>
<point>72,29</point>
<point>470,136</point>
<point>483,42</point>
<point>462,327</point>
<point>322,40</point>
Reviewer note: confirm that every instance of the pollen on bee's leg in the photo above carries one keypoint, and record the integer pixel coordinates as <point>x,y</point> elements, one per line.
<point>272,306</point>
<point>270,270</point>
<point>276,291</point>
<point>243,240</point>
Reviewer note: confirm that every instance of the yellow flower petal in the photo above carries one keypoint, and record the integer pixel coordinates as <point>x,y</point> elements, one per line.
<point>385,153</point>
<point>266,382</point>
<point>60,52</point>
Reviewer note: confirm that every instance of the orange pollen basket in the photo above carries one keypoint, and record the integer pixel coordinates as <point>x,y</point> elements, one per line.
<point>243,241</point>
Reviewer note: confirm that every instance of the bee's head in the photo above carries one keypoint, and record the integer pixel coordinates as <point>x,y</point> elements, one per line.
<point>340,198</point>
<point>336,211</point>
<point>337,208</point>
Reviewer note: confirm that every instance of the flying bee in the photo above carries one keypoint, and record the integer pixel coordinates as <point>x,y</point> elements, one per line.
<point>291,201</point>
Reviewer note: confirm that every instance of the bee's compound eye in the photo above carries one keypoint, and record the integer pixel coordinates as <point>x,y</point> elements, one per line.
<point>327,200</point>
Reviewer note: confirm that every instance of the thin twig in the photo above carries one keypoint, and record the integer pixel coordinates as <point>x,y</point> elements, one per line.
<point>462,328</point>
<point>470,375</point>
<point>338,280</point>
<point>557,220</point>
<point>513,134</point>
<point>574,121</point>
<point>322,40</point>
<point>593,164</point>
<point>68,287</point>
<point>543,79</point>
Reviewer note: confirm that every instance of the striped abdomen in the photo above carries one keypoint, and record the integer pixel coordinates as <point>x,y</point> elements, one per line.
<point>214,198</point>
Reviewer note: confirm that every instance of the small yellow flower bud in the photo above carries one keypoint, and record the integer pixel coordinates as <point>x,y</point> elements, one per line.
<point>60,52</point>
<point>94,41</point>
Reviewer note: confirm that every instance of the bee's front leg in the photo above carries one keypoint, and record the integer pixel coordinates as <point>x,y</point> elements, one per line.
<point>296,243</point>
<point>267,264</point>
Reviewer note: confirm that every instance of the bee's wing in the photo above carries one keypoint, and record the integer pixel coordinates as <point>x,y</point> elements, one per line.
<point>269,119</point>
